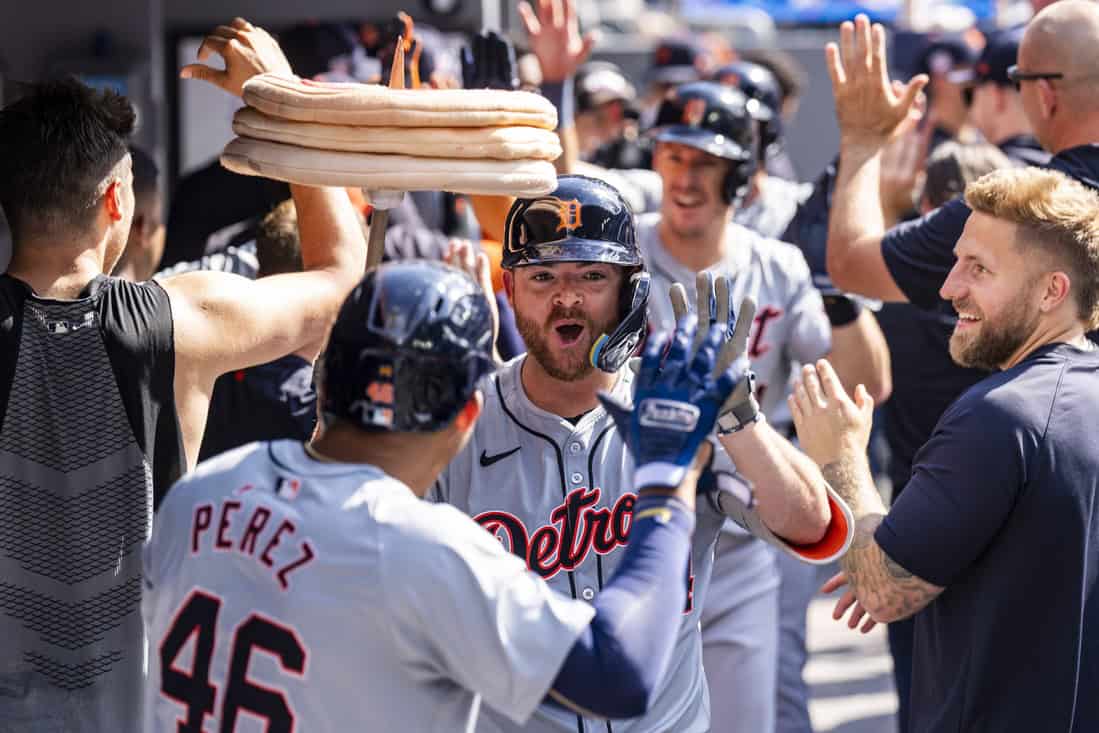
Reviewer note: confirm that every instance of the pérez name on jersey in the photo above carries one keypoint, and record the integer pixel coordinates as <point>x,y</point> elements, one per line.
<point>258,533</point>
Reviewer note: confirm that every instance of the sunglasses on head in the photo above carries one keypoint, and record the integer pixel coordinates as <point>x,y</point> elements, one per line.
<point>1016,76</point>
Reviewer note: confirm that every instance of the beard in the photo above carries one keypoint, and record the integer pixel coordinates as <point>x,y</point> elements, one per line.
<point>567,365</point>
<point>994,340</point>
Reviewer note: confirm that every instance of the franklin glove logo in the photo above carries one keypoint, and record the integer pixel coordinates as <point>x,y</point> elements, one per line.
<point>668,415</point>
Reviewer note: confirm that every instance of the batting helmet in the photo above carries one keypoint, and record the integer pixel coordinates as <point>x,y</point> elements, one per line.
<point>757,82</point>
<point>716,119</point>
<point>408,347</point>
<point>584,220</point>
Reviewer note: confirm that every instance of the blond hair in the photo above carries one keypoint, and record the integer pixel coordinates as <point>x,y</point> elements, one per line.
<point>1055,214</point>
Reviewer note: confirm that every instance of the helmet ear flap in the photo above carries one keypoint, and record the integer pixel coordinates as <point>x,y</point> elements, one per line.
<point>737,180</point>
<point>611,351</point>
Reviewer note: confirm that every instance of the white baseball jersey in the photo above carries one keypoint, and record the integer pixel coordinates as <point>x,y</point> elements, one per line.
<point>561,496</point>
<point>790,325</point>
<point>284,593</point>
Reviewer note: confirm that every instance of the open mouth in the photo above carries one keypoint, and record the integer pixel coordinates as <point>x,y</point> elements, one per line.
<point>569,333</point>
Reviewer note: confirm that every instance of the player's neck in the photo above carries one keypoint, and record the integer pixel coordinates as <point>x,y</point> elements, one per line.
<point>565,399</point>
<point>697,252</point>
<point>342,443</point>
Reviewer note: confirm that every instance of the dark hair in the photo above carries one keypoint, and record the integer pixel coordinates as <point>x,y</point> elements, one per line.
<point>58,142</point>
<point>146,172</point>
<point>278,246</point>
<point>952,166</point>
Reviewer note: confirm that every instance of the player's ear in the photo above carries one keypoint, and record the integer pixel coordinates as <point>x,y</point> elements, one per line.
<point>470,412</point>
<point>509,285</point>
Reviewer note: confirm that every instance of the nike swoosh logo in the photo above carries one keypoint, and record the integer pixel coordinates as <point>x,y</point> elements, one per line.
<point>487,460</point>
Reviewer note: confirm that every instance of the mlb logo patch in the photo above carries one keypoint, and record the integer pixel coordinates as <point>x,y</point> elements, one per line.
<point>288,488</point>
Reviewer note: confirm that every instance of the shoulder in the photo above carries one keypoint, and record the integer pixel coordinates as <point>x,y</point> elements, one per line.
<point>419,538</point>
<point>771,254</point>
<point>1004,403</point>
<point>215,477</point>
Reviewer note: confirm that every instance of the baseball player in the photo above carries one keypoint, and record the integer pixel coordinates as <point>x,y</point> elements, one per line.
<point>306,586</point>
<point>546,474</point>
<point>771,201</point>
<point>706,153</point>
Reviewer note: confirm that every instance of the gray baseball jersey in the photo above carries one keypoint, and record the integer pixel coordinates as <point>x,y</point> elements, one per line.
<point>282,590</point>
<point>772,210</point>
<point>790,326</point>
<point>560,496</point>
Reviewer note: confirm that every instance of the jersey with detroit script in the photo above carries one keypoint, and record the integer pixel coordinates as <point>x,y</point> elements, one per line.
<point>560,496</point>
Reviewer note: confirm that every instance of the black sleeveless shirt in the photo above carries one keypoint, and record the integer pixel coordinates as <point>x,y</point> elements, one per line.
<point>89,443</point>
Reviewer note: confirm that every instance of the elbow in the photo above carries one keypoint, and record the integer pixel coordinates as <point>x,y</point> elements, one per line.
<point>636,691</point>
<point>881,387</point>
<point>835,259</point>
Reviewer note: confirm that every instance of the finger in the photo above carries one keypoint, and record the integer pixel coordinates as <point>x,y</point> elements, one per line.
<point>681,340</point>
<point>864,401</point>
<point>862,41</point>
<point>836,581</point>
<point>590,41</point>
<point>879,62</point>
<point>530,21</point>
<point>705,354</point>
<point>722,308</point>
<point>870,624</point>
<point>704,297</point>
<point>811,382</point>
<point>469,256</point>
<point>557,15</point>
<point>650,359</point>
<point>912,90</point>
<point>242,24</point>
<point>835,66</point>
<point>678,294</point>
<point>830,382</point>
<point>212,44</point>
<point>843,603</point>
<point>569,10</point>
<point>202,72</point>
<point>738,342</point>
<point>856,616</point>
<point>847,46</point>
<point>801,396</point>
<point>795,413</point>
<point>484,274</point>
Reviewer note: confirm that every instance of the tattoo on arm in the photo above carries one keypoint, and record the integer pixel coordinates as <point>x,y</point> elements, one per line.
<point>887,590</point>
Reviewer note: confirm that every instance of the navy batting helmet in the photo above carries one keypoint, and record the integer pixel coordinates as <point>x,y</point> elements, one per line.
<point>408,347</point>
<point>718,120</point>
<point>759,83</point>
<point>584,220</point>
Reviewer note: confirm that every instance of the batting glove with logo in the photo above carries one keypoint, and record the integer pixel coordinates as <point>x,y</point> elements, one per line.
<point>714,307</point>
<point>675,403</point>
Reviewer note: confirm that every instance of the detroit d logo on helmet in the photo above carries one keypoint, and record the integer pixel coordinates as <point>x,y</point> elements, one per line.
<point>693,112</point>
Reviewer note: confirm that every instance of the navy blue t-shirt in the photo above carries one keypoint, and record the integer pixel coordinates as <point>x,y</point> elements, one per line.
<point>920,253</point>
<point>1003,511</point>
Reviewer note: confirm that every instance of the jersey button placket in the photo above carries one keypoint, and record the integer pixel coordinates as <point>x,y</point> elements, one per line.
<point>577,477</point>
<point>587,594</point>
<point>575,448</point>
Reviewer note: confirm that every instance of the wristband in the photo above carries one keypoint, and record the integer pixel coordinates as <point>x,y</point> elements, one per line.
<point>841,309</point>
<point>730,423</point>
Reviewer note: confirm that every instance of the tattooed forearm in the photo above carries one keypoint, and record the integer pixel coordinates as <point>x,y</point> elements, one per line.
<point>884,588</point>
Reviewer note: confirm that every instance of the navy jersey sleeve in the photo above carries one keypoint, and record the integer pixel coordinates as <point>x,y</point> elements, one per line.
<point>920,253</point>
<point>964,484</point>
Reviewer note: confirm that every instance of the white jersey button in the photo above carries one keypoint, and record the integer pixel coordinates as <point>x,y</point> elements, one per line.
<point>575,447</point>
<point>587,594</point>
<point>576,477</point>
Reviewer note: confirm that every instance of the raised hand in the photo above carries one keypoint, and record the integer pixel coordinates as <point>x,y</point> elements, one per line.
<point>869,108</point>
<point>714,306</point>
<point>848,601</point>
<point>489,63</point>
<point>555,39</point>
<point>830,424</point>
<point>675,404</point>
<point>247,51</point>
